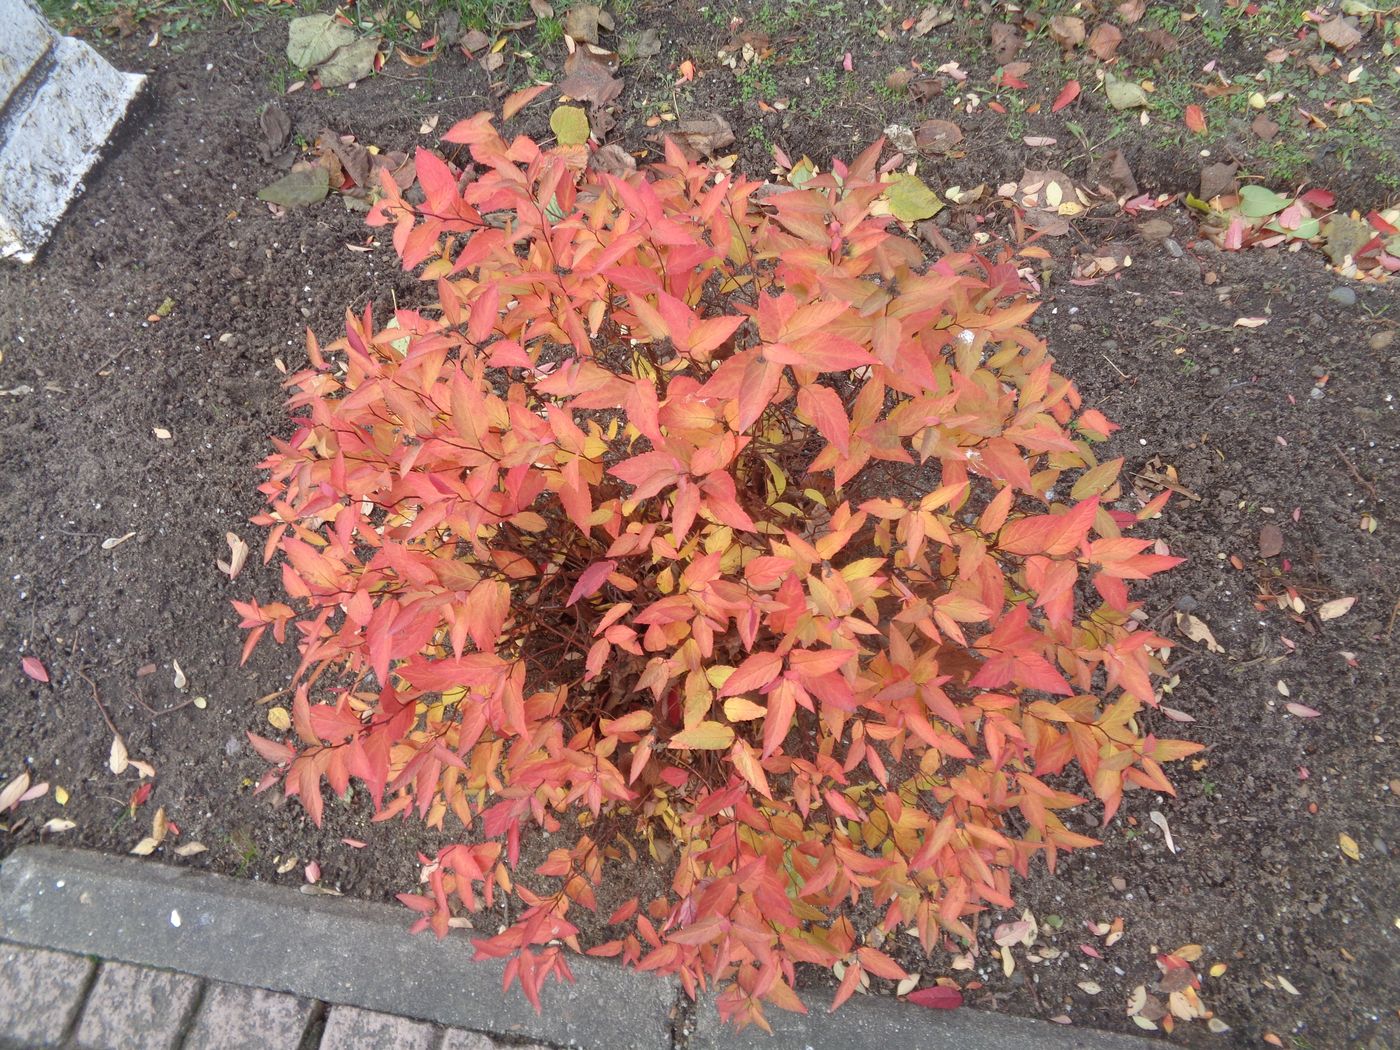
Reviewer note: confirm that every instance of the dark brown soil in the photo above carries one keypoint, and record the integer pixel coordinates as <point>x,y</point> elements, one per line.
<point>1258,881</point>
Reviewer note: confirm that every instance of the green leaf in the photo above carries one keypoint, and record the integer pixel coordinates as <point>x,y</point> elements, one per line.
<point>570,125</point>
<point>707,736</point>
<point>352,62</point>
<point>312,39</point>
<point>298,188</point>
<point>1123,94</point>
<point>1258,201</point>
<point>910,200</point>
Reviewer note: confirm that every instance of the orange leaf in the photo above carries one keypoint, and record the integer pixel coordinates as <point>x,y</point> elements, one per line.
<point>1196,119</point>
<point>518,100</point>
<point>1067,94</point>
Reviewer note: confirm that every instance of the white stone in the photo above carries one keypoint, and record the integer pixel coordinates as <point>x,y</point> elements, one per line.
<point>59,102</point>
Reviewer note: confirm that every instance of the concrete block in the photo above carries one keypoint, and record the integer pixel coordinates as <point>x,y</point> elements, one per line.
<point>236,1018</point>
<point>61,102</point>
<point>40,994</point>
<point>333,949</point>
<point>136,1008</point>
<point>349,1028</point>
<point>26,40</point>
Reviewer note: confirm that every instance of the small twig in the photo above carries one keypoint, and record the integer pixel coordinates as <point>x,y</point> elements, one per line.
<point>1357,474</point>
<point>136,695</point>
<point>1113,366</point>
<point>1390,625</point>
<point>98,701</point>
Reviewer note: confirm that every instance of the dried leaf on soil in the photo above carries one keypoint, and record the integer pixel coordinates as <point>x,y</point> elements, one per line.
<point>645,44</point>
<point>1349,847</point>
<point>311,39</point>
<point>57,824</point>
<point>275,146</point>
<point>351,63</point>
<point>589,79</point>
<point>1123,94</point>
<point>705,135</point>
<point>1196,630</point>
<point>12,792</point>
<point>930,18</point>
<point>1302,710</point>
<point>117,759</point>
<point>299,188</point>
<point>34,668</point>
<point>937,136</point>
<point>1340,32</point>
<point>1067,31</point>
<point>1270,540</point>
<point>1195,119</point>
<point>1104,41</point>
<point>180,679</point>
<point>584,21</point>
<point>1067,94</point>
<point>189,849</point>
<point>612,159</point>
<point>1335,608</point>
<point>278,718</point>
<point>518,100</point>
<point>112,542</point>
<point>1006,42</point>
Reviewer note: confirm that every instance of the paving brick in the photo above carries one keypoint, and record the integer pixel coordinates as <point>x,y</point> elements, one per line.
<point>234,1018</point>
<point>40,993</point>
<point>135,1008</point>
<point>350,1028</point>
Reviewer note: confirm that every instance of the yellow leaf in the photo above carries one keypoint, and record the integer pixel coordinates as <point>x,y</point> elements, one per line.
<point>910,200</point>
<point>279,718</point>
<point>1349,846</point>
<point>1189,952</point>
<point>60,795</point>
<point>1216,969</point>
<point>570,125</point>
<point>741,709</point>
<point>412,19</point>
<point>707,736</point>
<point>746,762</point>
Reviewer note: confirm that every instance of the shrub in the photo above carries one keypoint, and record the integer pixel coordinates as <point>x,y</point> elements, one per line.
<point>714,527</point>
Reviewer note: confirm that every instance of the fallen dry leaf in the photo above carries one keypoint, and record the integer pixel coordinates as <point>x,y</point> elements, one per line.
<point>1006,41</point>
<point>279,718</point>
<point>937,136</point>
<point>189,849</point>
<point>1196,630</point>
<point>1104,41</point>
<point>34,668</point>
<point>1349,847</point>
<point>1270,540</point>
<point>117,759</point>
<point>1251,322</point>
<point>1340,32</point>
<point>1335,608</point>
<point>238,555</point>
<point>1302,710</point>
<point>1067,31</point>
<point>116,541</point>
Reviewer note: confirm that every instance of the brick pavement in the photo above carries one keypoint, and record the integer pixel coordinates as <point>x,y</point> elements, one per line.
<point>53,1000</point>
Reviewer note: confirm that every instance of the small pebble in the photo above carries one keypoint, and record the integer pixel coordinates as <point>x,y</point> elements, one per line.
<point>1381,340</point>
<point>1342,295</point>
<point>1173,248</point>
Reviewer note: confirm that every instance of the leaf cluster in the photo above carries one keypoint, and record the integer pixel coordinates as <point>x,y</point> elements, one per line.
<point>709,524</point>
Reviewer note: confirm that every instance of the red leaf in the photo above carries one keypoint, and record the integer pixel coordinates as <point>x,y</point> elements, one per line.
<point>939,997</point>
<point>1067,94</point>
<point>754,673</point>
<point>34,669</point>
<point>590,581</point>
<point>1196,119</point>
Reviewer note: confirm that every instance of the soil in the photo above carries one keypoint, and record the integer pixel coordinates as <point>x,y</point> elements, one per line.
<point>1293,424</point>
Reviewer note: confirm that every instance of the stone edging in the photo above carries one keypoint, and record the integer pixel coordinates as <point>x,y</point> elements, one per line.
<point>343,951</point>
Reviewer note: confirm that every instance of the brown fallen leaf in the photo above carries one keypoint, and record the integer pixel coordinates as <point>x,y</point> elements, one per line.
<point>930,18</point>
<point>937,136</point>
<point>1006,42</point>
<point>1217,180</point>
<point>1265,128</point>
<point>1270,540</point>
<point>613,160</point>
<point>583,22</point>
<point>705,135</point>
<point>588,78</point>
<point>1132,11</point>
<point>473,41</point>
<point>1067,31</point>
<point>1196,630</point>
<point>1104,41</point>
<point>238,555</point>
<point>1340,32</point>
